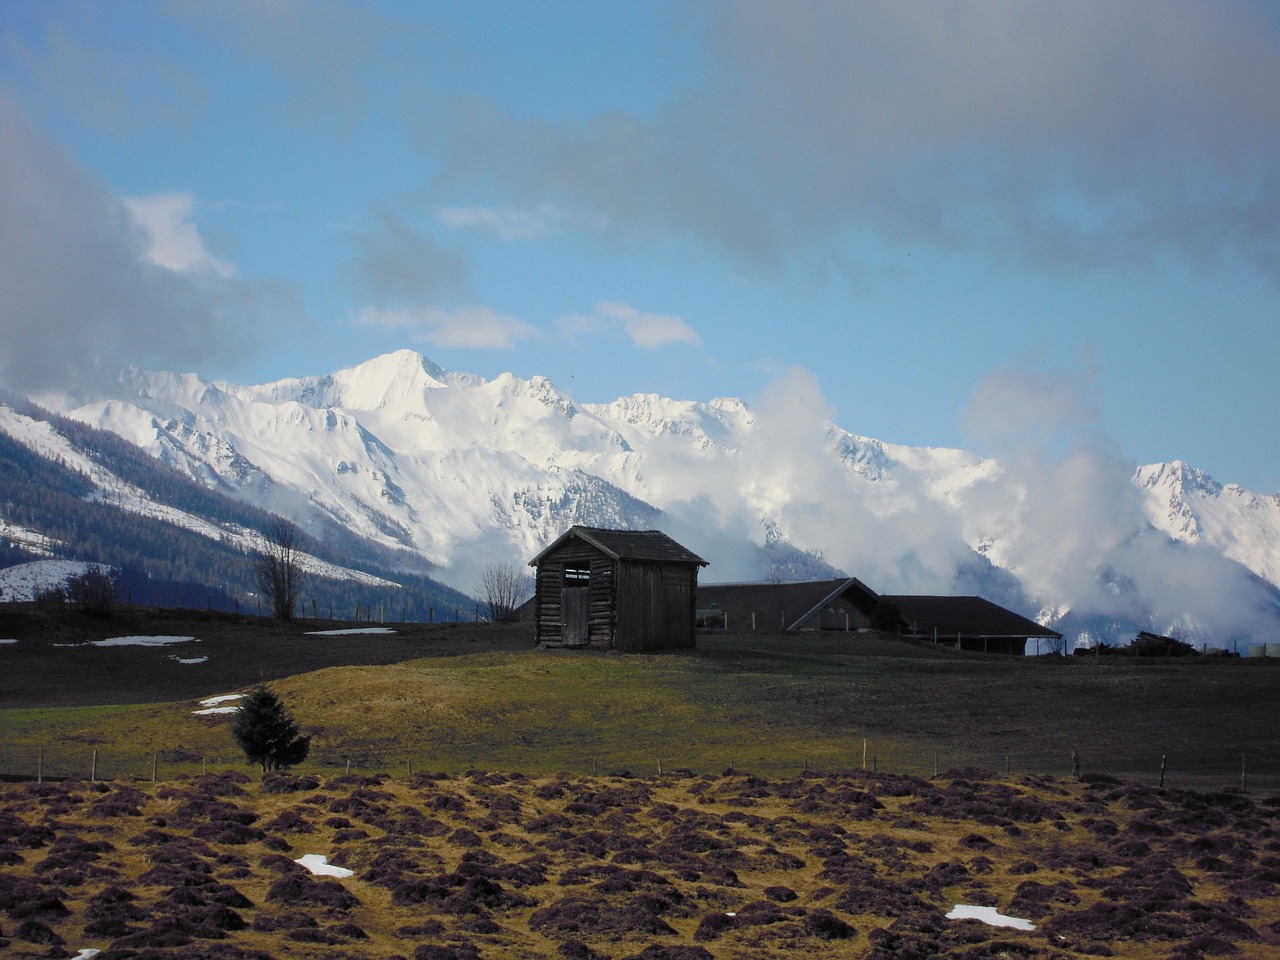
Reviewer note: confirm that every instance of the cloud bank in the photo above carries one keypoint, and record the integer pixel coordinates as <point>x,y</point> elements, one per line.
<point>90,283</point>
<point>1069,522</point>
<point>1067,135</point>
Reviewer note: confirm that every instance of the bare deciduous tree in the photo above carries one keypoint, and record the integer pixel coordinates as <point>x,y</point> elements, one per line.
<point>276,568</point>
<point>502,588</point>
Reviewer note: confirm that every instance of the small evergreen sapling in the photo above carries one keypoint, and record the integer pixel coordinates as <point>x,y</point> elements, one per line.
<point>267,734</point>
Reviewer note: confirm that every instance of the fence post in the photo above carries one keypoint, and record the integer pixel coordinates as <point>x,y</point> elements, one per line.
<point>93,771</point>
<point>864,753</point>
<point>155,763</point>
<point>40,766</point>
<point>1075,764</point>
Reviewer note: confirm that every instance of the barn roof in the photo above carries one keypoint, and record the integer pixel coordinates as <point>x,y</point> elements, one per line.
<point>965,616</point>
<point>794,606</point>
<point>788,604</point>
<point>649,545</point>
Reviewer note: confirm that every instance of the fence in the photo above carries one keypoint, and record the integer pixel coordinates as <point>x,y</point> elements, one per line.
<point>1260,775</point>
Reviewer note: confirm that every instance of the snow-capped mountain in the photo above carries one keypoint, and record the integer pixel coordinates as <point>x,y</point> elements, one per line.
<point>464,470</point>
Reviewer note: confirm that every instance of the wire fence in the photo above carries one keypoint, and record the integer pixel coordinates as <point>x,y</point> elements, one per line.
<point>56,762</point>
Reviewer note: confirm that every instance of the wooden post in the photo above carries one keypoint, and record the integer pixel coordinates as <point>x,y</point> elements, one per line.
<point>935,763</point>
<point>1164,759</point>
<point>1075,764</point>
<point>410,762</point>
<point>753,621</point>
<point>40,766</point>
<point>155,763</point>
<point>93,771</point>
<point>864,753</point>
<point>659,766</point>
<point>203,766</point>
<point>726,621</point>
<point>846,621</point>
<point>348,764</point>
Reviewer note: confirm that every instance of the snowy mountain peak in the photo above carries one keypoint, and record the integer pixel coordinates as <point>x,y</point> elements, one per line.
<point>462,470</point>
<point>395,380</point>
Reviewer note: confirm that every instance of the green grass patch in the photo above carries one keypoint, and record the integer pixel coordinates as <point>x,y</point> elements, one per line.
<point>481,696</point>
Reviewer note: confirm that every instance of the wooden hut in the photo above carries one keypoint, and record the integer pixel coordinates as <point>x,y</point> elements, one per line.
<point>622,589</point>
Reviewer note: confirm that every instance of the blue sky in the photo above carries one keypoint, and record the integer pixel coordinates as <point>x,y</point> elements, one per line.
<point>917,204</point>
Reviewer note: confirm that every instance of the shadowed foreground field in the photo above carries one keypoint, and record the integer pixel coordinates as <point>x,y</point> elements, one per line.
<point>481,696</point>
<point>679,867</point>
<point>700,861</point>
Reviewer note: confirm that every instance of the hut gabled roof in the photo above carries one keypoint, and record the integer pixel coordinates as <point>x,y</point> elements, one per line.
<point>649,545</point>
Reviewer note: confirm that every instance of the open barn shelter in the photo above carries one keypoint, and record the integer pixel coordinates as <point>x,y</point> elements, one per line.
<point>848,604</point>
<point>630,590</point>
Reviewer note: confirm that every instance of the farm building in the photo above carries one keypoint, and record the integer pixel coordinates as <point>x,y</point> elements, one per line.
<point>971,623</point>
<point>622,589</point>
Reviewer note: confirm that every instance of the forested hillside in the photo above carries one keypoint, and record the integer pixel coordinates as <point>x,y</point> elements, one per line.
<point>167,563</point>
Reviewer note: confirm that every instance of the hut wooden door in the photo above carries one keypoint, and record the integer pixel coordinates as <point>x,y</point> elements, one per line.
<point>575,609</point>
<point>677,614</point>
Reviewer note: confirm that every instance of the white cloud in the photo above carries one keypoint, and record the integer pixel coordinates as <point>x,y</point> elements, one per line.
<point>648,331</point>
<point>469,327</point>
<point>173,242</point>
<point>1071,524</point>
<point>81,291</point>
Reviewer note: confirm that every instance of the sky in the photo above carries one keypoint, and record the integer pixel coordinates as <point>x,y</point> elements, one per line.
<point>943,214</point>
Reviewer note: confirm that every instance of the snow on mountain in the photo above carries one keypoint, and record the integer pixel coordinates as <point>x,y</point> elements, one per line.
<point>464,470</point>
<point>1192,507</point>
<point>25,581</point>
<point>40,436</point>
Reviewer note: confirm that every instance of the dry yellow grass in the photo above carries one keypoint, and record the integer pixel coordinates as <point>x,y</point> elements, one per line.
<point>728,867</point>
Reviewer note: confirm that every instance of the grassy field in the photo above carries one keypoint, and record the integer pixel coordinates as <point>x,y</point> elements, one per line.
<point>762,796</point>
<point>479,696</point>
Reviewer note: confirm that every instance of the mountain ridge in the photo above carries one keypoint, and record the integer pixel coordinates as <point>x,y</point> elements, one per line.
<point>461,470</point>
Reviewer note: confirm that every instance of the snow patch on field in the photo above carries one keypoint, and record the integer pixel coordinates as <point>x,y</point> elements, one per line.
<point>157,641</point>
<point>964,911</point>
<point>320,865</point>
<point>349,631</point>
<point>219,704</point>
